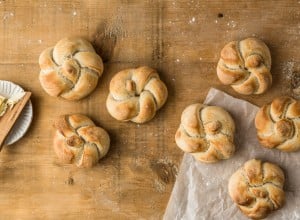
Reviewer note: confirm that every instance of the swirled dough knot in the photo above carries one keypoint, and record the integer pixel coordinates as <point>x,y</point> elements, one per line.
<point>78,140</point>
<point>278,124</point>
<point>70,69</point>
<point>136,94</point>
<point>257,188</point>
<point>245,66</point>
<point>207,132</point>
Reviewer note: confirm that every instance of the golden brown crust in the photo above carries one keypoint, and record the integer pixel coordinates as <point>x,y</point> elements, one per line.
<point>70,69</point>
<point>277,124</point>
<point>206,132</point>
<point>136,94</point>
<point>245,65</point>
<point>77,140</point>
<point>257,188</point>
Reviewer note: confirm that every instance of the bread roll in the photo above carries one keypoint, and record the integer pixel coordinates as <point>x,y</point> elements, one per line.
<point>245,66</point>
<point>278,124</point>
<point>257,188</point>
<point>78,140</point>
<point>70,69</point>
<point>207,132</point>
<point>136,94</point>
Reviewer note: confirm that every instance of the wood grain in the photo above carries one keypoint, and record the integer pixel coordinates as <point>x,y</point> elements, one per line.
<point>181,39</point>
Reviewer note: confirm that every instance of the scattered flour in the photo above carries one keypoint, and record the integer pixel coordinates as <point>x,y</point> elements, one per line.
<point>7,15</point>
<point>114,28</point>
<point>30,41</point>
<point>232,24</point>
<point>291,73</point>
<point>159,186</point>
<point>192,20</point>
<point>288,69</point>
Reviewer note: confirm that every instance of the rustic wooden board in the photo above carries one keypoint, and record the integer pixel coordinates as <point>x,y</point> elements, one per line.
<point>182,39</point>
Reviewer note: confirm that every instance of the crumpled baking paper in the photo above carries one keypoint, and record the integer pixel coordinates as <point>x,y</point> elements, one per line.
<point>200,191</point>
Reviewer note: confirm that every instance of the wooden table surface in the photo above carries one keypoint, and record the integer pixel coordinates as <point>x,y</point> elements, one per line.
<point>181,39</point>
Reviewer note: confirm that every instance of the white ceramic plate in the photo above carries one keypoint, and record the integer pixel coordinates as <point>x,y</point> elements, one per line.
<point>8,89</point>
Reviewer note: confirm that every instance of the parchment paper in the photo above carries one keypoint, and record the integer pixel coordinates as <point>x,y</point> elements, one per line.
<point>200,191</point>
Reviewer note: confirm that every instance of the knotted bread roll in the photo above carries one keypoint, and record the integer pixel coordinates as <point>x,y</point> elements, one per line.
<point>257,188</point>
<point>207,132</point>
<point>71,69</point>
<point>136,95</point>
<point>278,124</point>
<point>245,66</point>
<point>78,140</point>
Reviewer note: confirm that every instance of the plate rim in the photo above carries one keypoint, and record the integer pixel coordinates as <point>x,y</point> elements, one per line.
<point>24,131</point>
